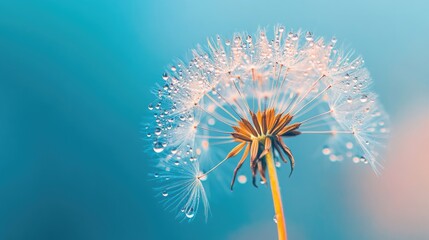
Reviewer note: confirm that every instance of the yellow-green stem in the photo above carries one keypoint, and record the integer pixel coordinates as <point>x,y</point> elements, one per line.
<point>277,198</point>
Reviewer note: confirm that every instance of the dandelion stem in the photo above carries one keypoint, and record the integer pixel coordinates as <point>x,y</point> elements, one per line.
<point>277,199</point>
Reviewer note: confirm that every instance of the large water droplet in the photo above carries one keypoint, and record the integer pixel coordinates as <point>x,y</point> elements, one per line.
<point>158,131</point>
<point>364,98</point>
<point>157,147</point>
<point>165,193</point>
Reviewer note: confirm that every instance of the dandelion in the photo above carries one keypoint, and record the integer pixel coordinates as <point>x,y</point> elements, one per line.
<point>244,99</point>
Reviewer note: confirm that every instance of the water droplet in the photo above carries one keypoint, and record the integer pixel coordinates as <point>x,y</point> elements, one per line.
<point>156,175</point>
<point>190,213</point>
<point>165,193</point>
<point>295,37</point>
<point>158,131</point>
<point>278,164</point>
<point>149,135</point>
<point>326,150</point>
<point>249,39</point>
<point>242,179</point>
<point>177,163</point>
<point>173,68</point>
<point>309,36</point>
<point>281,29</point>
<point>349,99</point>
<point>275,218</point>
<point>165,76</point>
<point>150,107</point>
<point>157,147</point>
<point>364,98</point>
<point>334,40</point>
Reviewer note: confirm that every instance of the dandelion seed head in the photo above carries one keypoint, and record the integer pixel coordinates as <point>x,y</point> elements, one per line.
<point>241,97</point>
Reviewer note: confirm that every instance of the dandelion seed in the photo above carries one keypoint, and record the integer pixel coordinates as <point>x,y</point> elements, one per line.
<point>247,99</point>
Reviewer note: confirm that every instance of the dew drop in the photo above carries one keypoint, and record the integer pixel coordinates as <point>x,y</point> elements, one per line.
<point>278,164</point>
<point>334,40</point>
<point>309,36</point>
<point>176,163</point>
<point>165,76</point>
<point>150,107</point>
<point>190,213</point>
<point>295,37</point>
<point>364,98</point>
<point>149,135</point>
<point>173,68</point>
<point>157,147</point>
<point>158,131</point>
<point>349,99</point>
<point>281,29</point>
<point>156,175</point>
<point>326,150</point>
<point>165,193</point>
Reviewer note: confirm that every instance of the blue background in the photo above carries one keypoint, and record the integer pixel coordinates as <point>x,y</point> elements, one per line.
<point>75,81</point>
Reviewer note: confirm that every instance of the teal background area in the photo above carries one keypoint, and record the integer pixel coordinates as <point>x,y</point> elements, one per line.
<point>75,82</point>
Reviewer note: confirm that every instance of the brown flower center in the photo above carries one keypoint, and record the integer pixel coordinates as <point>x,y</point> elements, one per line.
<point>259,137</point>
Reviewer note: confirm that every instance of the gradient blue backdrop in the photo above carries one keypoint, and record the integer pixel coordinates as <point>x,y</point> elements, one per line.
<point>75,78</point>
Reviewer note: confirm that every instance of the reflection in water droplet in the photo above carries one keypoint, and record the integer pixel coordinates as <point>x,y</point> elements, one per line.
<point>165,193</point>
